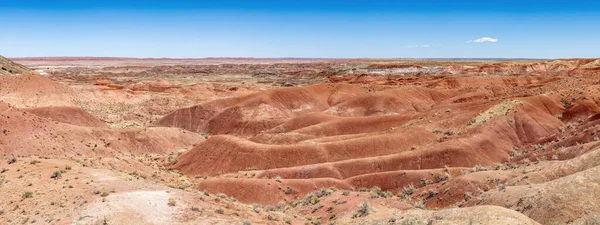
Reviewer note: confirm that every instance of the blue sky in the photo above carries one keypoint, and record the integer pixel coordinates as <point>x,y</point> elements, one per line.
<point>309,28</point>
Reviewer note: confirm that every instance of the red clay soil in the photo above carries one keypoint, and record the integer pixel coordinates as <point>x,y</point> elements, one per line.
<point>372,133</point>
<point>24,133</point>
<point>70,115</point>
<point>251,114</point>
<point>32,90</point>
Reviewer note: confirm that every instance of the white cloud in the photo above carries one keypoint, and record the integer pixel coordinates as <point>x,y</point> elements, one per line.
<point>417,46</point>
<point>482,40</point>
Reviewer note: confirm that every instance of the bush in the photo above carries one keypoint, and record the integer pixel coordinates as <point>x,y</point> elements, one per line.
<point>220,211</point>
<point>172,202</point>
<point>315,200</point>
<point>501,186</point>
<point>56,175</point>
<point>104,193</point>
<point>376,192</point>
<point>407,191</point>
<point>420,204</point>
<point>363,210</point>
<point>12,160</point>
<point>221,195</point>
<point>449,132</point>
<point>323,192</point>
<point>467,196</point>
<point>289,191</point>
<point>256,208</point>
<point>27,194</point>
<point>432,192</point>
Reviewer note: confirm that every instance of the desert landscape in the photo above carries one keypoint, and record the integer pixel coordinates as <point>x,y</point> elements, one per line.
<point>90,140</point>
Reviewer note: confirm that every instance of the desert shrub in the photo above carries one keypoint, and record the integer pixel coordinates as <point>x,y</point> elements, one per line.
<point>420,204</point>
<point>425,182</point>
<point>256,208</point>
<point>442,177</point>
<point>363,210</point>
<point>27,194</point>
<point>449,132</point>
<point>11,160</point>
<point>220,211</point>
<point>314,200</point>
<point>269,208</point>
<point>432,192</point>
<point>471,122</point>
<point>103,192</point>
<point>501,186</point>
<point>33,162</point>
<point>323,192</point>
<point>376,192</point>
<point>56,175</point>
<point>221,195</point>
<point>172,202</point>
<point>467,196</point>
<point>407,191</point>
<point>251,168</point>
<point>289,190</point>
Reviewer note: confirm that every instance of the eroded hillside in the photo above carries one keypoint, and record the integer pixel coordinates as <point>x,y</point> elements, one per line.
<point>315,141</point>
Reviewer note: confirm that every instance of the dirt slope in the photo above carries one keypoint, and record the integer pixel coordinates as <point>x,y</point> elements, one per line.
<point>70,115</point>
<point>10,68</point>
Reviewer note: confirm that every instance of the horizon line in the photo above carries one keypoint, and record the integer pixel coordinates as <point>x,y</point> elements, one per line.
<point>282,58</point>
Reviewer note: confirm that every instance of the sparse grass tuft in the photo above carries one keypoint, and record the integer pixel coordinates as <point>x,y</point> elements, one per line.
<point>172,202</point>
<point>27,194</point>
